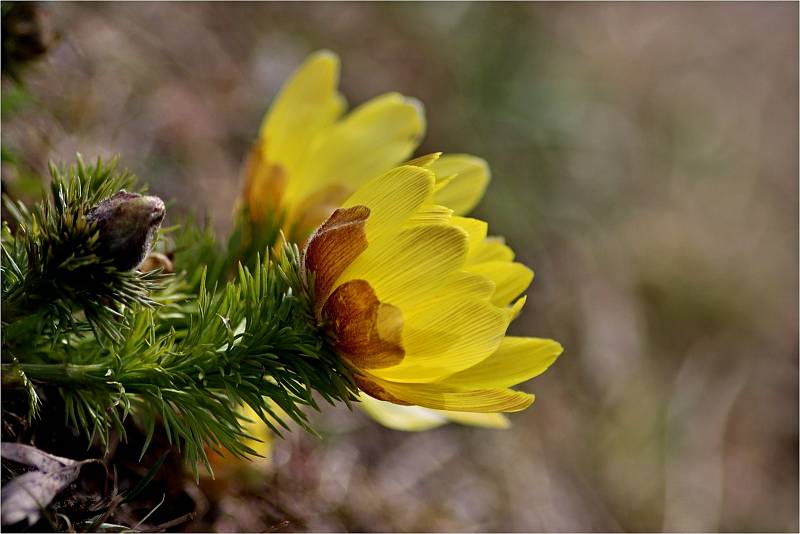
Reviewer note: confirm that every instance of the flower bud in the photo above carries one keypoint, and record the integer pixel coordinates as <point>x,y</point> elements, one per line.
<point>127,223</point>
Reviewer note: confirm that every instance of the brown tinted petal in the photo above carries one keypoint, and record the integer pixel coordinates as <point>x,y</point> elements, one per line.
<point>334,246</point>
<point>374,390</point>
<point>368,332</point>
<point>264,182</point>
<point>313,211</point>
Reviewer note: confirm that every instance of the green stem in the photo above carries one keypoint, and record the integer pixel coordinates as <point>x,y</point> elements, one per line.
<point>52,373</point>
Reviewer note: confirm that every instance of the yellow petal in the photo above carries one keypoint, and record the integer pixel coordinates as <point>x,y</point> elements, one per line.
<point>516,308</point>
<point>411,264</point>
<point>471,178</point>
<point>447,335</point>
<point>442,397</point>
<point>371,139</point>
<point>313,210</point>
<point>397,417</point>
<point>260,441</point>
<point>424,161</point>
<point>417,418</point>
<point>492,249</point>
<point>392,198</point>
<point>518,359</point>
<point>466,285</point>
<point>510,279</point>
<point>476,230</point>
<point>258,430</point>
<point>486,420</point>
<point>264,182</point>
<point>307,103</point>
<point>430,214</point>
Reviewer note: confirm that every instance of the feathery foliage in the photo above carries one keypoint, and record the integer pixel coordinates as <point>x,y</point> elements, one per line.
<point>177,353</point>
<point>53,268</point>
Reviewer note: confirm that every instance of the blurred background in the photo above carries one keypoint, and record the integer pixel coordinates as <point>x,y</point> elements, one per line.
<point>644,163</point>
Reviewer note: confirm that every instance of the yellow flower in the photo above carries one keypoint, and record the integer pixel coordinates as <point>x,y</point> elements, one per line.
<point>419,298</point>
<point>310,156</point>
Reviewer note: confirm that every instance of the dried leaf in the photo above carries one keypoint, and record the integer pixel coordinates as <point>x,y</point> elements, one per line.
<point>24,497</point>
<point>28,455</point>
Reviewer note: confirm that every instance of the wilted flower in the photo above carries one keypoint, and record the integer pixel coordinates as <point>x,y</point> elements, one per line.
<point>419,299</point>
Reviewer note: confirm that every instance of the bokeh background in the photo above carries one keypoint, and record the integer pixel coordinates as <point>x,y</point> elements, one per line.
<point>645,164</point>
